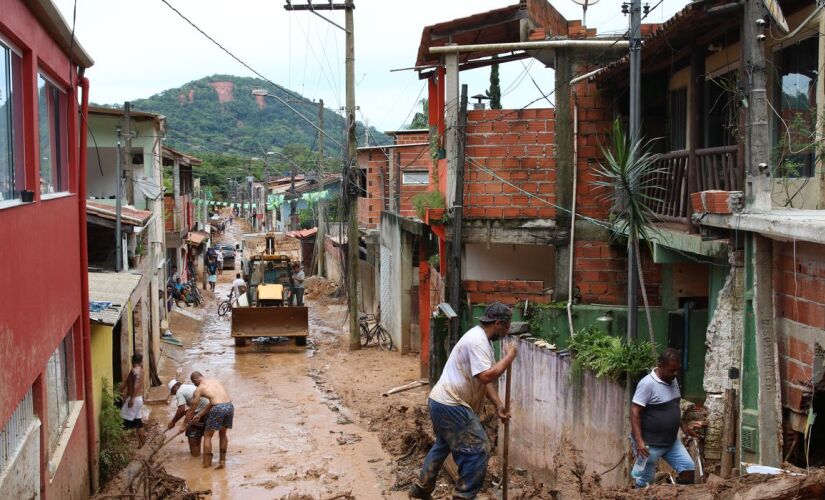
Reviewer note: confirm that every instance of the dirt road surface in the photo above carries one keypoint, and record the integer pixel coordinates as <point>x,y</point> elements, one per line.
<point>292,437</point>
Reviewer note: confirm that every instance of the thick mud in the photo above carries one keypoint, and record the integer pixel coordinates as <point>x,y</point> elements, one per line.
<point>291,437</point>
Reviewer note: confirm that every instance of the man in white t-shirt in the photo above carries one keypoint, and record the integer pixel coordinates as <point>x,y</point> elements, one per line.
<point>456,400</point>
<point>238,286</point>
<point>183,394</point>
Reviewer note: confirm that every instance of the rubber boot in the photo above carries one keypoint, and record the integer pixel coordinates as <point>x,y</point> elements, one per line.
<point>207,460</point>
<point>222,460</point>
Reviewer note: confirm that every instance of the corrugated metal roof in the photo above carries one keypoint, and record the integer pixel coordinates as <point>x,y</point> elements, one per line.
<point>197,237</point>
<point>115,288</point>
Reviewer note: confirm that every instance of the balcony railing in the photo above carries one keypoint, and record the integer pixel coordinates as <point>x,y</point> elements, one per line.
<point>714,168</point>
<point>718,168</point>
<point>668,189</point>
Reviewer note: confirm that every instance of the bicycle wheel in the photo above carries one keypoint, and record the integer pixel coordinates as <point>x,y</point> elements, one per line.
<point>365,335</point>
<point>223,308</point>
<point>384,339</point>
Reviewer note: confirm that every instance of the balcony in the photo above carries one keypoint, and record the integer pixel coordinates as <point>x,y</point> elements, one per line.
<point>680,172</point>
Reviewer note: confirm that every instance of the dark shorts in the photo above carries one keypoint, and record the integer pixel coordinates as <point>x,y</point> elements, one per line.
<point>133,424</point>
<point>220,417</point>
<point>195,430</point>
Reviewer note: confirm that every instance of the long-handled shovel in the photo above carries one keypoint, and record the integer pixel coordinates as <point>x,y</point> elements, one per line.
<point>505,452</point>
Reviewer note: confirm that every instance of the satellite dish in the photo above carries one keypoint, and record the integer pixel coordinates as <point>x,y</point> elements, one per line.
<point>585,4</point>
<point>776,14</point>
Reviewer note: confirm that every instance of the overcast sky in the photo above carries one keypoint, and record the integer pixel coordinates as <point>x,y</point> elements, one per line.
<point>141,48</point>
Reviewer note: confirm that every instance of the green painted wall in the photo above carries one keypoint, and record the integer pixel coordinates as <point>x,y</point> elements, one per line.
<point>750,371</point>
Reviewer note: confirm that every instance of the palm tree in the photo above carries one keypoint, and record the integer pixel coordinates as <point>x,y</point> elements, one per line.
<point>628,176</point>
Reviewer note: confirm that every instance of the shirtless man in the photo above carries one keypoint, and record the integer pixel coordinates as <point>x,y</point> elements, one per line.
<point>183,394</point>
<point>217,415</point>
<point>132,391</point>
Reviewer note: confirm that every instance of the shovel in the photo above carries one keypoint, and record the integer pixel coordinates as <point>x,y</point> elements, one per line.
<point>505,452</point>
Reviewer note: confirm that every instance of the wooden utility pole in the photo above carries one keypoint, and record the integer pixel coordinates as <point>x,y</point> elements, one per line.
<point>320,237</point>
<point>454,272</point>
<point>350,180</point>
<point>127,154</point>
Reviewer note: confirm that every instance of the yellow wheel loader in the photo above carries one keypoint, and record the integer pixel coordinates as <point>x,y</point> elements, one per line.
<point>268,312</point>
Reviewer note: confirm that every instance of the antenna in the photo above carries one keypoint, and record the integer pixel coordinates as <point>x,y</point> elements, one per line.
<point>585,4</point>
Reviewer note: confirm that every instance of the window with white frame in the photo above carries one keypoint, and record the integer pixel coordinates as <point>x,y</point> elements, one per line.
<point>58,390</point>
<point>12,173</point>
<point>415,177</point>
<point>54,158</point>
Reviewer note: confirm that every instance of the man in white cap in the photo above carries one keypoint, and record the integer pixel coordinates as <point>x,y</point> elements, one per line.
<point>194,431</point>
<point>457,398</point>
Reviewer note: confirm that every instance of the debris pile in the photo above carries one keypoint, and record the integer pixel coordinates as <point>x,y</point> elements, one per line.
<point>318,288</point>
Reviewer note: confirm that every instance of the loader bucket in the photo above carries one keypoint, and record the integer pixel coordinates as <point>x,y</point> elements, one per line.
<point>270,322</point>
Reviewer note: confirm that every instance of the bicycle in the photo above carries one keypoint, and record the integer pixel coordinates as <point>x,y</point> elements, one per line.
<point>227,304</point>
<point>370,326</point>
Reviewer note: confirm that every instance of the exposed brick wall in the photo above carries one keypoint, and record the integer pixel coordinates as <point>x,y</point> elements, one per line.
<point>412,138</point>
<point>518,146</point>
<point>369,208</point>
<point>594,126</point>
<point>799,297</point>
<point>547,17</point>
<point>506,291</point>
<point>169,213</point>
<point>600,274</point>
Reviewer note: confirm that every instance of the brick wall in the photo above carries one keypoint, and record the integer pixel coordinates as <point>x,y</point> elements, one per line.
<point>518,147</point>
<point>594,126</point>
<point>799,298</point>
<point>169,213</point>
<point>412,138</point>
<point>506,291</point>
<point>600,274</point>
<point>412,158</point>
<point>369,208</point>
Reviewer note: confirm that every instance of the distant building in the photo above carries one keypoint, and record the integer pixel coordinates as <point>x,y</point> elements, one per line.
<point>47,433</point>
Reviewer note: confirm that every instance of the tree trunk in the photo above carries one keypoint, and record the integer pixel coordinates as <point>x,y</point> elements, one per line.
<point>644,291</point>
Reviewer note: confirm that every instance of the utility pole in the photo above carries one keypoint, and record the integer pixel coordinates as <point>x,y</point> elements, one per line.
<point>118,205</point>
<point>635,125</point>
<point>351,185</point>
<point>320,237</point>
<point>127,155</point>
<point>293,205</point>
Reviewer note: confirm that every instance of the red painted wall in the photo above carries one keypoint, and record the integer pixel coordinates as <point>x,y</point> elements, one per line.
<point>41,268</point>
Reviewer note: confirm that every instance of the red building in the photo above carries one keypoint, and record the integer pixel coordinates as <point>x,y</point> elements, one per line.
<point>46,424</point>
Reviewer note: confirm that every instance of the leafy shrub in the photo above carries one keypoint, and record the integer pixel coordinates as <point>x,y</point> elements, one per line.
<point>608,356</point>
<point>115,451</point>
<point>427,199</point>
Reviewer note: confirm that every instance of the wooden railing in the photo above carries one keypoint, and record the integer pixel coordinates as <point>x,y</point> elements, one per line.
<point>718,168</point>
<point>669,188</point>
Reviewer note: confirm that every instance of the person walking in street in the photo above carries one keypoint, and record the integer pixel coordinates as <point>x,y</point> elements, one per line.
<point>217,415</point>
<point>194,431</point>
<point>212,273</point>
<point>219,256</point>
<point>456,400</point>
<point>238,286</point>
<point>132,392</point>
<point>298,277</point>
<point>655,418</point>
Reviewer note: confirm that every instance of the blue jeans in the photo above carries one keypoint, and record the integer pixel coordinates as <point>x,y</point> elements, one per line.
<point>676,455</point>
<point>458,431</point>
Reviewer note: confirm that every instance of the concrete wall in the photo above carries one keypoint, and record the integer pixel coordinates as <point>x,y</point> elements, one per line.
<point>508,262</point>
<point>396,281</point>
<point>332,256</point>
<point>21,478</point>
<point>551,407</point>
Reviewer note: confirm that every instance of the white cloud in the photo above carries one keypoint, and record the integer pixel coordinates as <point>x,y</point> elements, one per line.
<point>141,48</point>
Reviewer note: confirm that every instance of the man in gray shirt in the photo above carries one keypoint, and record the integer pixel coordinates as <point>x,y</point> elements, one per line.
<point>656,419</point>
<point>194,431</point>
<point>298,277</point>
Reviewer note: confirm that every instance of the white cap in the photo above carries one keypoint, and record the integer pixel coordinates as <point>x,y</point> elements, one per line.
<point>172,384</point>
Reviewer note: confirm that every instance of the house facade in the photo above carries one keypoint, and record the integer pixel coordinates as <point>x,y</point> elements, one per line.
<point>731,268</point>
<point>47,429</point>
<point>179,209</point>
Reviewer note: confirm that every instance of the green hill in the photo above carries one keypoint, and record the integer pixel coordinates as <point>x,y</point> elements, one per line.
<point>219,114</point>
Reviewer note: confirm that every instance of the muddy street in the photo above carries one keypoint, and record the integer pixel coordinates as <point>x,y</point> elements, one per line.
<point>292,437</point>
